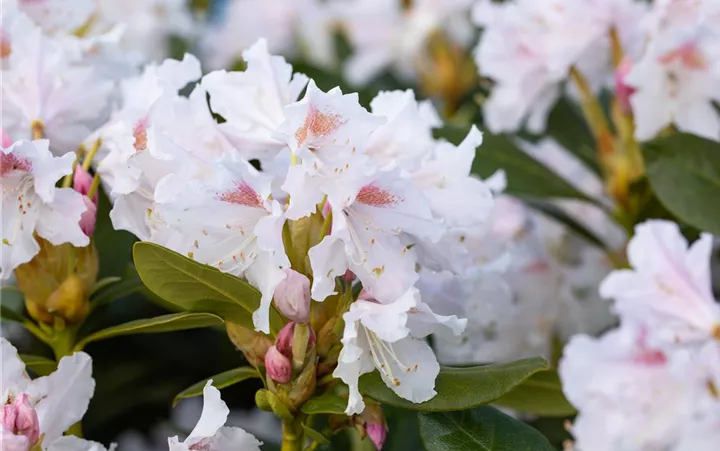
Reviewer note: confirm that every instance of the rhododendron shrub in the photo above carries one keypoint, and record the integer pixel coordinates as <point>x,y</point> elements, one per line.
<point>424,224</point>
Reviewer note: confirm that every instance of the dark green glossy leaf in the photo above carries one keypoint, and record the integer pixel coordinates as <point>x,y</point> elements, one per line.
<point>164,323</point>
<point>41,366</point>
<point>541,395</point>
<point>220,381</point>
<point>567,126</point>
<point>460,388</point>
<point>526,176</point>
<point>194,287</point>
<point>480,429</point>
<point>114,246</point>
<point>116,289</point>
<point>12,305</point>
<point>327,403</point>
<point>684,171</point>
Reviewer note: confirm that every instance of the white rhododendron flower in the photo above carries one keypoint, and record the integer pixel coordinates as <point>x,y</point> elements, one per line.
<point>38,412</point>
<point>252,102</point>
<point>626,392</point>
<point>328,132</point>
<point>210,433</point>
<point>389,337</point>
<point>678,78</point>
<point>229,222</point>
<point>45,87</point>
<point>668,287</point>
<point>651,383</point>
<point>406,138</point>
<point>528,48</point>
<point>31,203</point>
<point>367,238</point>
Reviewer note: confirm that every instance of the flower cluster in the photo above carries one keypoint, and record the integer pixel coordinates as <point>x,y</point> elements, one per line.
<point>652,382</point>
<point>663,56</point>
<point>223,193</point>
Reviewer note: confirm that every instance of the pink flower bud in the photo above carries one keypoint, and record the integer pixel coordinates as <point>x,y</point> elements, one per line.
<point>284,339</point>
<point>377,433</point>
<point>20,418</point>
<point>82,180</point>
<point>278,366</point>
<point>292,296</point>
<point>87,220</point>
<point>349,276</point>
<point>622,90</point>
<point>5,138</point>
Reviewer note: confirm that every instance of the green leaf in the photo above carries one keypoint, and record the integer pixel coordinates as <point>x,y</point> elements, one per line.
<point>459,388</point>
<point>164,323</point>
<point>327,403</point>
<point>116,289</point>
<point>684,171</point>
<point>526,176</point>
<point>540,395</point>
<point>220,381</point>
<point>39,365</point>
<point>194,287</point>
<point>315,435</point>
<point>481,429</point>
<point>567,126</point>
<point>114,246</point>
<point>102,283</point>
<point>12,307</point>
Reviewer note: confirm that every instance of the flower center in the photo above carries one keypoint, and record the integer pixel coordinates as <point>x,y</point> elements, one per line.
<point>318,124</point>
<point>376,197</point>
<point>382,353</point>
<point>243,194</point>
<point>5,44</point>
<point>140,134</point>
<point>10,163</point>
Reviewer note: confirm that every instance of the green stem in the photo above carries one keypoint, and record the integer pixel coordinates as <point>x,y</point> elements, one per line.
<point>63,343</point>
<point>35,330</point>
<point>292,437</point>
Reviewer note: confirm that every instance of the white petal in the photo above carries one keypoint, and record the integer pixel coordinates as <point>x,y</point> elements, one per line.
<point>180,73</point>
<point>12,442</point>
<point>71,443</point>
<point>699,118</point>
<point>232,439</point>
<point>64,395</point>
<point>213,416</point>
<point>420,368</point>
<point>264,275</point>
<point>13,376</point>
<point>353,361</point>
<point>328,261</point>
<point>59,221</point>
